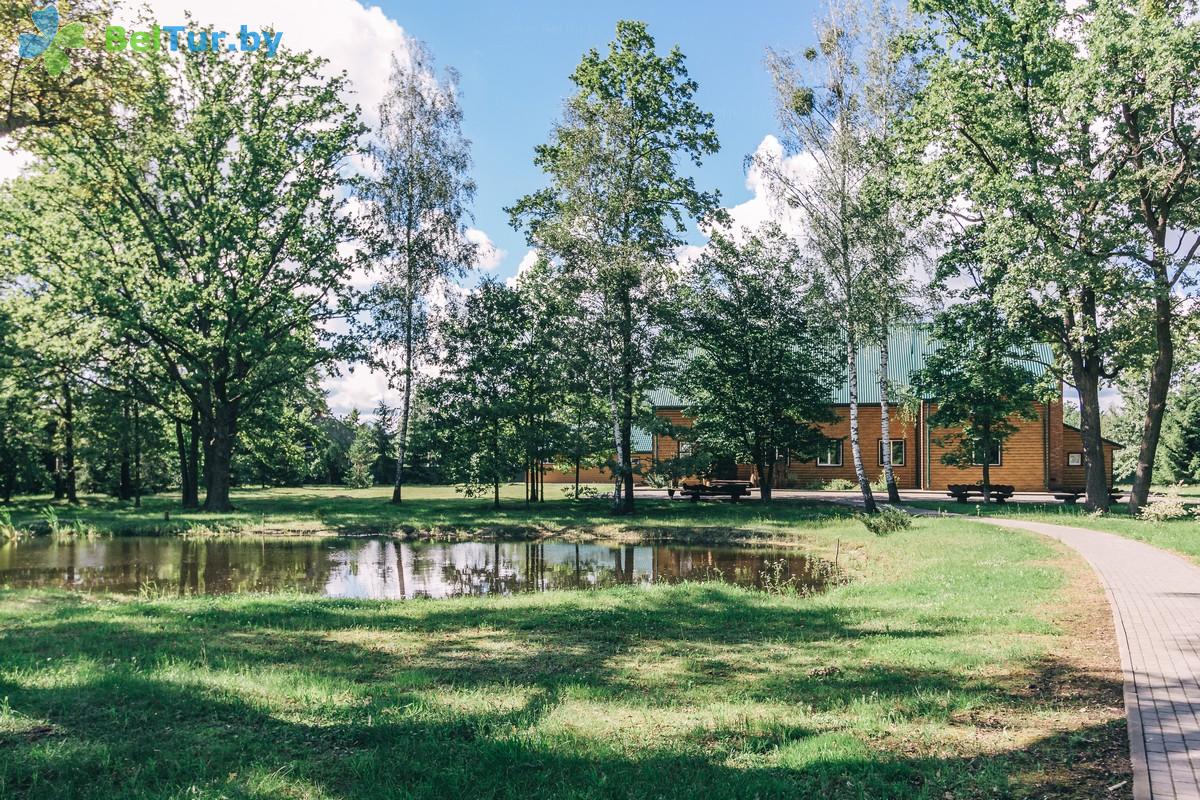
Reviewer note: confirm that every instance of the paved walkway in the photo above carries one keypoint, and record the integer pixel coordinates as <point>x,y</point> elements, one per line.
<point>1155,599</point>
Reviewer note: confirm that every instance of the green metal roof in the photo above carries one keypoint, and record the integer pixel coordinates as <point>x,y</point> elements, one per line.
<point>907,349</point>
<point>665,398</point>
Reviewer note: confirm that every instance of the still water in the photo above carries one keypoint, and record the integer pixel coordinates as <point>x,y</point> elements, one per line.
<point>382,567</point>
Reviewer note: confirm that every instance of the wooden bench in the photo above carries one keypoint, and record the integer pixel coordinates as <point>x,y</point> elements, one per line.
<point>735,490</point>
<point>963,492</point>
<point>1071,496</point>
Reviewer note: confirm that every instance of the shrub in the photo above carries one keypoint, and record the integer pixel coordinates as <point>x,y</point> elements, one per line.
<point>888,520</point>
<point>839,485</point>
<point>1162,509</point>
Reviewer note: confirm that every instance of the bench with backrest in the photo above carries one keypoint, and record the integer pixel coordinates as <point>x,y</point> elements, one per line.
<point>963,492</point>
<point>734,490</point>
<point>1071,496</point>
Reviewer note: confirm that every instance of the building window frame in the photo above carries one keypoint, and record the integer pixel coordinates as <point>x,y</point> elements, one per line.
<point>827,449</point>
<point>903,451</point>
<point>999,462</point>
<point>1074,459</point>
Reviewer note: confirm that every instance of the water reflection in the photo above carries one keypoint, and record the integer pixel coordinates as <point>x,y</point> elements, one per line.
<point>381,567</point>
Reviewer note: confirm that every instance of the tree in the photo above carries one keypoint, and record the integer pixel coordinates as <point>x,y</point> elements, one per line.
<point>1143,64</point>
<point>837,103</point>
<point>1068,136</point>
<point>763,354</point>
<point>205,227</point>
<point>616,208</point>
<point>978,381</point>
<point>362,454</point>
<point>70,81</point>
<point>417,202</point>
<point>477,398</point>
<point>1181,433</point>
<point>383,429</point>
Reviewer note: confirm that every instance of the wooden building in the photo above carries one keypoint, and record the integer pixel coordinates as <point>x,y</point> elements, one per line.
<point>1044,454</point>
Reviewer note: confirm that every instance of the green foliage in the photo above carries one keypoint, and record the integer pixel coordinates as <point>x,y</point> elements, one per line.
<point>887,520</point>
<point>976,379</point>
<point>1066,140</point>
<point>1181,434</point>
<point>762,356</point>
<point>206,225</point>
<point>616,209</point>
<point>362,455</point>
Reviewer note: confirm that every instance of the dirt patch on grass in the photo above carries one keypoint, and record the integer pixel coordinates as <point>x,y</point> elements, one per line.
<point>1083,750</point>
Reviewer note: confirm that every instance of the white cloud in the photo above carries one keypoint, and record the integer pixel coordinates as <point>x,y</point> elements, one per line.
<point>362,389</point>
<point>353,37</point>
<point>487,255</point>
<point>765,206</point>
<point>528,261</point>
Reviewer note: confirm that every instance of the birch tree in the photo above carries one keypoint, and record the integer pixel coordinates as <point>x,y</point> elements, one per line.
<point>418,202</point>
<point>835,118</point>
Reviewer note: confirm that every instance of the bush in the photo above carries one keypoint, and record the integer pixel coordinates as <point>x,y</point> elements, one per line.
<point>839,485</point>
<point>1163,509</point>
<point>888,520</point>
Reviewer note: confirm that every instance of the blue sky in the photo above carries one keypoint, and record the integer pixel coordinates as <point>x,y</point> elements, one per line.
<point>515,61</point>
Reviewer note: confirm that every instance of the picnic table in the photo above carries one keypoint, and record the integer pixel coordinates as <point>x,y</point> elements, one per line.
<point>1071,496</point>
<point>963,492</point>
<point>734,490</point>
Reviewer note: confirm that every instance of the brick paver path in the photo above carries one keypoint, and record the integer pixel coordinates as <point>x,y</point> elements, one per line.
<point>1155,599</point>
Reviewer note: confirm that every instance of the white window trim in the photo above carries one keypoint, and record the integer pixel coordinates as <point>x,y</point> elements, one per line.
<point>999,462</point>
<point>840,452</point>
<point>1077,455</point>
<point>903,452</point>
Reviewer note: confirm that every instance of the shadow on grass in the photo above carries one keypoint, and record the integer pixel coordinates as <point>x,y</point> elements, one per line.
<point>330,511</point>
<point>279,698</point>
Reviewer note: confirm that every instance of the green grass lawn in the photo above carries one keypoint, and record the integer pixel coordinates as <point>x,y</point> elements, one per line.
<point>963,661</point>
<point>437,510</point>
<point>1180,536</point>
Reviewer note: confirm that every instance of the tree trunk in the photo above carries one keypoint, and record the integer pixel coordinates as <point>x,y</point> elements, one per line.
<point>987,462</point>
<point>766,480</point>
<point>1156,405</point>
<point>405,406</point>
<point>181,450</point>
<point>220,459</point>
<point>125,481</point>
<point>885,431</point>
<point>864,483</point>
<point>1087,383</point>
<point>137,457</point>
<point>191,498</point>
<point>627,399</point>
<point>69,443</point>
<point>576,477</point>
<point>618,480</point>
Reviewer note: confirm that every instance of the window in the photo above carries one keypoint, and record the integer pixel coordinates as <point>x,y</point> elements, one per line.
<point>897,452</point>
<point>994,461</point>
<point>830,454</point>
<point>1074,459</point>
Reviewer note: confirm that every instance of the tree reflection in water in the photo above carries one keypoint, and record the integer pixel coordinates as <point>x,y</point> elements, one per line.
<point>382,567</point>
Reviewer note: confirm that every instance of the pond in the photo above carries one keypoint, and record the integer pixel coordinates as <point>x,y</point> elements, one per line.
<point>383,568</point>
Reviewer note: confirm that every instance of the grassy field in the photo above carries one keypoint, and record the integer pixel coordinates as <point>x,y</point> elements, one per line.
<point>1180,536</point>
<point>962,662</point>
<point>435,510</point>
